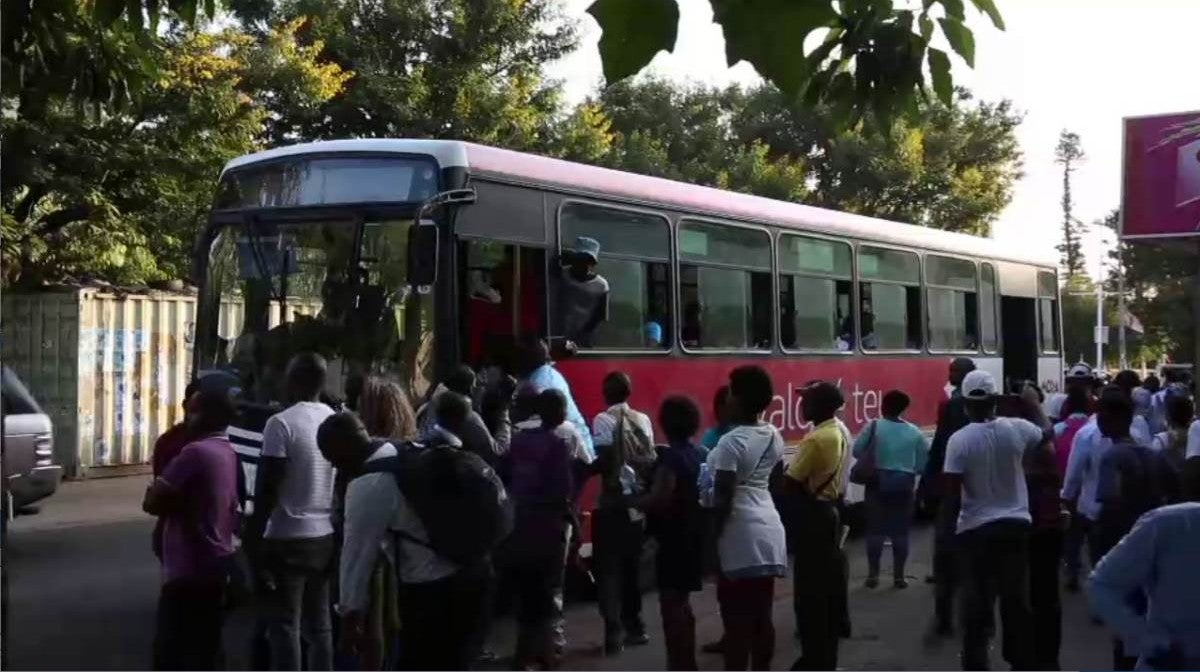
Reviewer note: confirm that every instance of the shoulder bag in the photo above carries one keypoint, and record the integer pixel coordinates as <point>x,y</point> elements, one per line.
<point>865,472</point>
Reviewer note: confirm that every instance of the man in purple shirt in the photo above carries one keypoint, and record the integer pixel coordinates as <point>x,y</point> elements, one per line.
<point>196,496</point>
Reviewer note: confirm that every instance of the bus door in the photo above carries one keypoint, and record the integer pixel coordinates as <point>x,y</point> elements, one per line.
<point>1019,322</point>
<point>501,299</point>
<point>502,242</point>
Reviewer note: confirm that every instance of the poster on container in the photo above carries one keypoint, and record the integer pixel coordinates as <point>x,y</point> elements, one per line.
<point>1161,189</point>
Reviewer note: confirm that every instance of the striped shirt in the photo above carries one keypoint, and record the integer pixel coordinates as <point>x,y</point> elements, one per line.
<point>306,494</point>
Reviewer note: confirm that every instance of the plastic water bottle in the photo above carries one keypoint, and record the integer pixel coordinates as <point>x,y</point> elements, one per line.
<point>704,484</point>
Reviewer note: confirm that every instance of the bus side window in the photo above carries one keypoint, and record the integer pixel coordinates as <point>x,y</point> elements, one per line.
<point>725,287</point>
<point>953,304</point>
<point>815,288</point>
<point>889,310</point>
<point>988,317</point>
<point>635,259</point>
<point>1048,312</point>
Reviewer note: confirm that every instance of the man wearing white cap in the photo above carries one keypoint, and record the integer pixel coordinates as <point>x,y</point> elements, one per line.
<point>985,469</point>
<point>1078,375</point>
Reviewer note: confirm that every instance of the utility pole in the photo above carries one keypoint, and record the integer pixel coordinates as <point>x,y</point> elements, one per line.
<point>1099,333</point>
<point>1121,315</point>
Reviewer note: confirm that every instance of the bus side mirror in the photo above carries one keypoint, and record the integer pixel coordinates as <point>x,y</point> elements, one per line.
<point>423,237</point>
<point>422,253</point>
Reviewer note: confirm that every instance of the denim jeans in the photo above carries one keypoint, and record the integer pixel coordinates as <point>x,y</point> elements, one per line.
<point>889,516</point>
<point>299,605</point>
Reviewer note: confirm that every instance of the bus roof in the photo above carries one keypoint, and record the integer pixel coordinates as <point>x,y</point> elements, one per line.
<point>577,177</point>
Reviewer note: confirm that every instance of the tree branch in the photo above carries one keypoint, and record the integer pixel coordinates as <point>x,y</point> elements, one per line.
<point>58,219</point>
<point>23,209</point>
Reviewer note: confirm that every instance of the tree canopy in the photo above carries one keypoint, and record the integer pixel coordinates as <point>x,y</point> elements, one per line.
<point>1069,153</point>
<point>115,186</point>
<point>435,69</point>
<point>1159,284</point>
<point>950,167</point>
<point>864,56</point>
<point>121,197</point>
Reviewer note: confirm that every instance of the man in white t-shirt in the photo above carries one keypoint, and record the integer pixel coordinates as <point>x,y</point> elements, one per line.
<point>985,470</point>
<point>292,514</point>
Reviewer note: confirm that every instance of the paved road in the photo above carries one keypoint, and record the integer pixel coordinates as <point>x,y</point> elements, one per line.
<point>82,585</point>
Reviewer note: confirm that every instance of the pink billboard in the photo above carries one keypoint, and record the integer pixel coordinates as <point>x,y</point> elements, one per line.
<point>1161,181</point>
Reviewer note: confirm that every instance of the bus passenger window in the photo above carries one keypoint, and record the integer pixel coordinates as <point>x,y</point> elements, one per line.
<point>725,287</point>
<point>815,284</point>
<point>889,299</point>
<point>990,333</point>
<point>1048,312</point>
<point>635,256</point>
<point>953,304</point>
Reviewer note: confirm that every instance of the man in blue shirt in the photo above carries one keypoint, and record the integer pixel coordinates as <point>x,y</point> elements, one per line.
<point>1157,558</point>
<point>1126,488</point>
<point>538,372</point>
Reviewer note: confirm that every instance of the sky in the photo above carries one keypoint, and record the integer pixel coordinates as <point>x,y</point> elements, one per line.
<point>1082,65</point>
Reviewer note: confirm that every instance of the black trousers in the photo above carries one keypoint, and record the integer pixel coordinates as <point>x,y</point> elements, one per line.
<point>536,580</point>
<point>1076,538</point>
<point>1045,549</point>
<point>1107,533</point>
<point>818,584</point>
<point>188,631</point>
<point>441,620</point>
<point>996,565</point>
<point>617,564</point>
<point>946,565</point>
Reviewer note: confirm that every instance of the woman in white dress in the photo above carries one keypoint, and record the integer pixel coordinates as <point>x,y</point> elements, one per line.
<point>751,545</point>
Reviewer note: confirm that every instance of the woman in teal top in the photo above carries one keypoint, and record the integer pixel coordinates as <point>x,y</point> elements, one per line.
<point>900,453</point>
<point>713,435</point>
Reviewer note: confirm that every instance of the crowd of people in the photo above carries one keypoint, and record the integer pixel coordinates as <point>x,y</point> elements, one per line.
<point>1028,482</point>
<point>383,538</point>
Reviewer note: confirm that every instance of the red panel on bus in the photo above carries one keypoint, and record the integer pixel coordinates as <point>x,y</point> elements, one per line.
<point>863,380</point>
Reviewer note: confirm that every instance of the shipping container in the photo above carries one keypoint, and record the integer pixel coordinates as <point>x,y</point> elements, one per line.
<point>110,368</point>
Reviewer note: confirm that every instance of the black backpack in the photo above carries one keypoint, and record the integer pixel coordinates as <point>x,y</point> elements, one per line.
<point>458,497</point>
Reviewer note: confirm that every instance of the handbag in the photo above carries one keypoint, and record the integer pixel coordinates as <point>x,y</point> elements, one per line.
<point>864,471</point>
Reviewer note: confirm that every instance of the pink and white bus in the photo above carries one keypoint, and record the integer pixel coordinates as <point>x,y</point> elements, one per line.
<point>407,257</point>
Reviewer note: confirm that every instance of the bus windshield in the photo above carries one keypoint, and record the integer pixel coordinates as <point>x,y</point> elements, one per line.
<point>336,287</point>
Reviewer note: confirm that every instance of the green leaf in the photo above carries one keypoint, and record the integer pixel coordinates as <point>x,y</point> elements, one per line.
<point>770,34</point>
<point>634,32</point>
<point>134,13</point>
<point>185,9</point>
<point>926,28</point>
<point>107,11</point>
<point>989,7</point>
<point>154,11</point>
<point>939,69</point>
<point>954,9</point>
<point>960,38</point>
